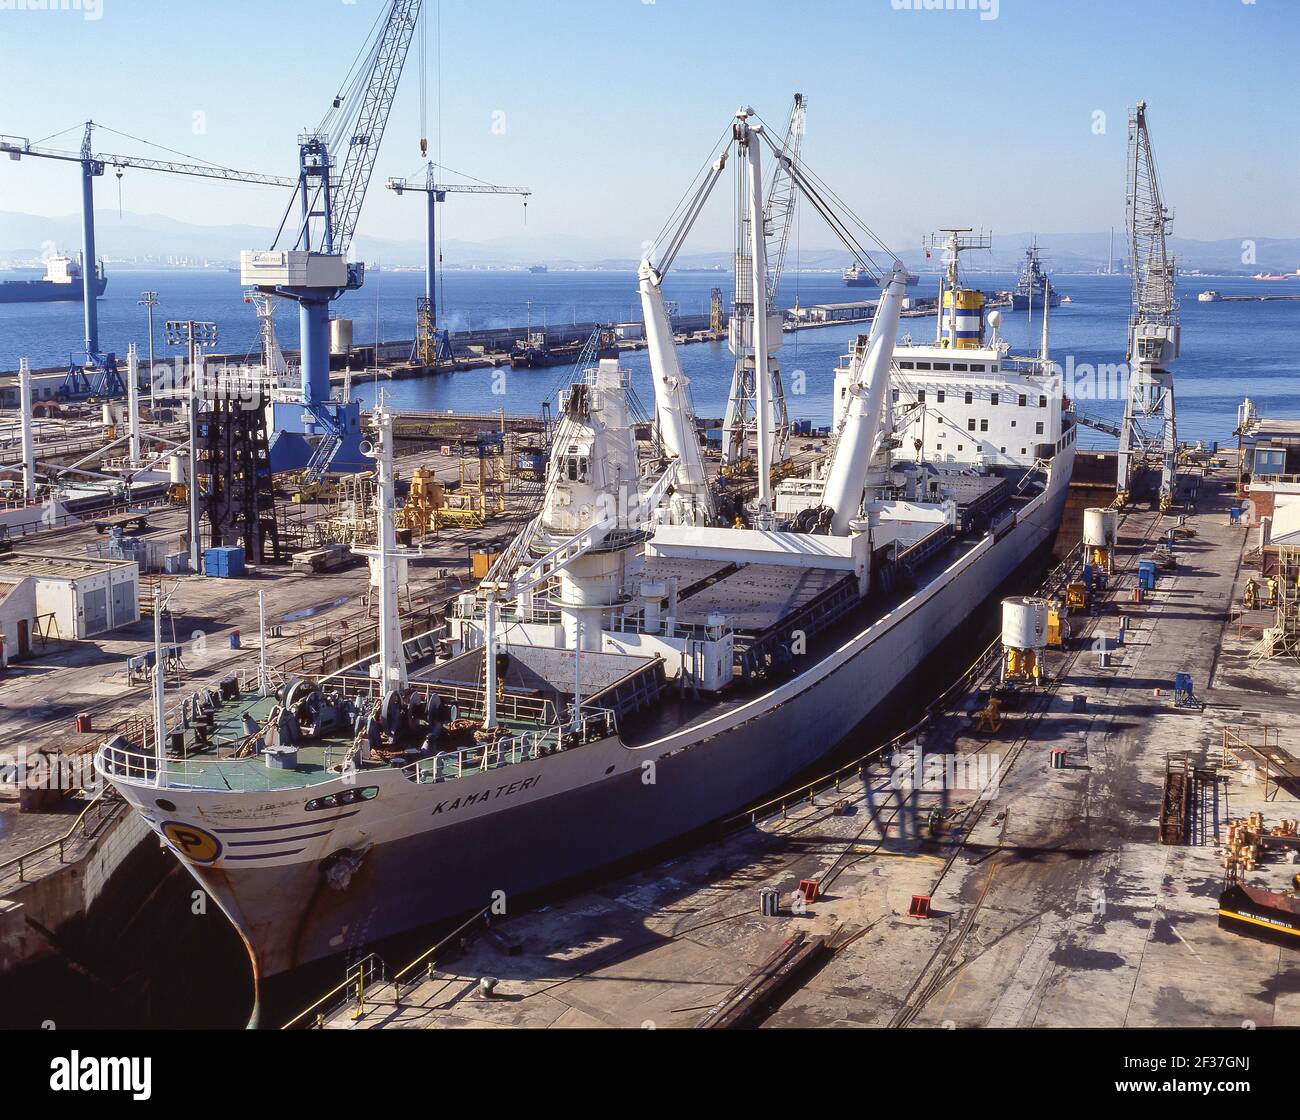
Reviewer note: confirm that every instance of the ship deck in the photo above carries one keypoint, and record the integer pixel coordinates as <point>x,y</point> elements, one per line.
<point>678,710</point>
<point>213,764</point>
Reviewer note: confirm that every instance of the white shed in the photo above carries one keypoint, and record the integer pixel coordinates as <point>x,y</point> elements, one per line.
<point>1286,524</point>
<point>77,597</point>
<point>18,624</point>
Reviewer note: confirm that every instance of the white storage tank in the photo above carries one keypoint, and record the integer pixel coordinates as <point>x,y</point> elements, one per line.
<point>340,336</point>
<point>178,467</point>
<point>1024,623</point>
<point>1100,527</point>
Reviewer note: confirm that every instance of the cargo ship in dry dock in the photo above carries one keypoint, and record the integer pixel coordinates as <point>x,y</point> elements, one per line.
<point>641,660</point>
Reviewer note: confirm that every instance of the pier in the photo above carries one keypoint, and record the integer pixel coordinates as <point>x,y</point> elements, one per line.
<point>1035,891</point>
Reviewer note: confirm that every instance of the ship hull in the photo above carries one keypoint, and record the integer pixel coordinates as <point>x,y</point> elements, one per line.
<point>304,887</point>
<point>1021,302</point>
<point>42,291</point>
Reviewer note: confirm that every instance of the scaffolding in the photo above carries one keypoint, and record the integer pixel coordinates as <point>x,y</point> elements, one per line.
<point>237,495</point>
<point>717,326</point>
<point>1283,637</point>
<point>349,517</point>
<point>484,475</point>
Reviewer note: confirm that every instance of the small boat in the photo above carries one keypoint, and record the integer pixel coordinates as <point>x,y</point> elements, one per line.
<point>1265,915</point>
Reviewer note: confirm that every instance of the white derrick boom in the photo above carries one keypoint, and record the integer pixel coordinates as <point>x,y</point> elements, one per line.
<point>856,440</point>
<point>692,502</point>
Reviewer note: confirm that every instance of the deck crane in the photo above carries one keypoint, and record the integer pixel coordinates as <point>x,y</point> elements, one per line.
<point>690,499</point>
<point>335,162</point>
<point>778,220</point>
<point>431,344</point>
<point>93,165</point>
<point>1153,340</point>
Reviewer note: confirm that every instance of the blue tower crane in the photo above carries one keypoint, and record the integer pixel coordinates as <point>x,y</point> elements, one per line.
<point>431,344</point>
<point>319,433</point>
<point>107,382</point>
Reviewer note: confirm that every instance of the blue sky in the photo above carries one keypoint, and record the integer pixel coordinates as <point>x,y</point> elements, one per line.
<point>606,108</point>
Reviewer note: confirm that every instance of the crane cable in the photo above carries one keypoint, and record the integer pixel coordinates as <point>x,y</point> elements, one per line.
<point>424,83</point>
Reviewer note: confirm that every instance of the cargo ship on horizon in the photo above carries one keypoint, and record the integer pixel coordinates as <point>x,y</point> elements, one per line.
<point>62,283</point>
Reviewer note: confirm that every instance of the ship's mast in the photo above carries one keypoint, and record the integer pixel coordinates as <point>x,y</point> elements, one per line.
<point>952,241</point>
<point>391,667</point>
<point>747,137</point>
<point>739,424</point>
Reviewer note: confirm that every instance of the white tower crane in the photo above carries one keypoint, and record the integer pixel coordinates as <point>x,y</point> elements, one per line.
<point>1153,340</point>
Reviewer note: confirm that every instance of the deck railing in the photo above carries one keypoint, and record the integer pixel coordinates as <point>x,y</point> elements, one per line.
<point>510,750</point>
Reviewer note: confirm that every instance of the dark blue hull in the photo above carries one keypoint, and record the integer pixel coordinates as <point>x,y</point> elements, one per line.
<point>1020,302</point>
<point>42,291</point>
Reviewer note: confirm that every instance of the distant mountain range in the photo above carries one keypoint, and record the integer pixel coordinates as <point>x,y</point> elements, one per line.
<point>151,239</point>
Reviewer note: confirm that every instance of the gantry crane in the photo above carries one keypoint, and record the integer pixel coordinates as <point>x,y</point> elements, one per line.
<point>315,270</point>
<point>93,165</point>
<point>432,345</point>
<point>740,424</point>
<point>1153,340</point>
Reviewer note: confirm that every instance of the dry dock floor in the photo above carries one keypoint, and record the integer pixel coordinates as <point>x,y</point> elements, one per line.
<point>1053,902</point>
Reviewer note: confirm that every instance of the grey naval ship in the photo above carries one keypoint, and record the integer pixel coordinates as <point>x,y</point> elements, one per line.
<point>639,661</point>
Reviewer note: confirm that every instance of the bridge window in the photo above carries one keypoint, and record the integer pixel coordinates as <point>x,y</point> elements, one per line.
<point>995,398</point>
<point>1021,401</point>
<point>939,396</point>
<point>969,398</point>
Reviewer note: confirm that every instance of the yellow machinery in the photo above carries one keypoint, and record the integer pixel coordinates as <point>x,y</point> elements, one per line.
<point>178,493</point>
<point>1076,596</point>
<point>481,562</point>
<point>312,491</point>
<point>989,717</point>
<point>457,518</point>
<point>1058,624</point>
<point>1021,665</point>
<point>1100,536</point>
<point>1250,598</point>
<point>1024,635</point>
<point>425,498</point>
